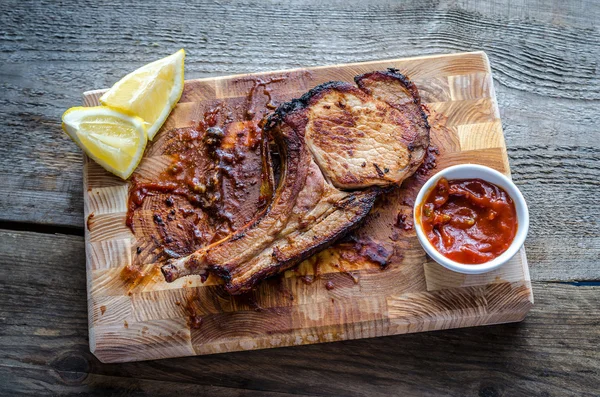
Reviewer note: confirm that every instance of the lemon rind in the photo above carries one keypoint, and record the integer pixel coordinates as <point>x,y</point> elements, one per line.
<point>136,121</point>
<point>174,95</point>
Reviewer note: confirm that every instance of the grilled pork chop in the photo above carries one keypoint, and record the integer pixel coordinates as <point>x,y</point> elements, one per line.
<point>340,145</point>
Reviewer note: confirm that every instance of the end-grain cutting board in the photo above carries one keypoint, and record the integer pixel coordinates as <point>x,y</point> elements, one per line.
<point>153,319</point>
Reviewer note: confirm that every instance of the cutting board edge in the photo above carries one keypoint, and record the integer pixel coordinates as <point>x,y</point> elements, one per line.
<point>101,353</point>
<point>318,67</point>
<point>107,355</point>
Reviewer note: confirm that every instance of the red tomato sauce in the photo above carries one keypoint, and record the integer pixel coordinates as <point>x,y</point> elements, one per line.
<point>470,221</point>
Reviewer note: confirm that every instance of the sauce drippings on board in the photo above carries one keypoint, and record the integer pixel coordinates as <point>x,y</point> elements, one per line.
<point>470,221</point>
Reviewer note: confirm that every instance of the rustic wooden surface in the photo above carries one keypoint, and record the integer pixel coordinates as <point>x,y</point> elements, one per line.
<point>150,320</point>
<point>545,58</point>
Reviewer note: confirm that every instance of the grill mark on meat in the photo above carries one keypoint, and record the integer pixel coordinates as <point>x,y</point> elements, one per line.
<point>324,139</point>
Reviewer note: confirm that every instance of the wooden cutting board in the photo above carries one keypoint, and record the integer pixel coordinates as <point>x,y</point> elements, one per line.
<point>153,319</point>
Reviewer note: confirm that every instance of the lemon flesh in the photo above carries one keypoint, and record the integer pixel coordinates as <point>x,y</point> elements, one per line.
<point>114,139</point>
<point>150,92</point>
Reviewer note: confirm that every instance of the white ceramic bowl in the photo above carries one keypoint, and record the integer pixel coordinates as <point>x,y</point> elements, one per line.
<point>473,171</point>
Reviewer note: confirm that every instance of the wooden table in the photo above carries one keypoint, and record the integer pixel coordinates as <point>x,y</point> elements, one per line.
<point>545,60</point>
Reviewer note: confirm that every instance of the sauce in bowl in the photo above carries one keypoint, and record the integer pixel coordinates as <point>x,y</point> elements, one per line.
<point>469,221</point>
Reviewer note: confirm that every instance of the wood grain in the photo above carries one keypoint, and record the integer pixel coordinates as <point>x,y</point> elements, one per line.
<point>44,349</point>
<point>143,321</point>
<point>544,57</point>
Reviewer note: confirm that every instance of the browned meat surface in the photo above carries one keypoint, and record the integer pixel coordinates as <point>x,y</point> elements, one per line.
<point>400,93</point>
<point>214,185</point>
<point>339,146</point>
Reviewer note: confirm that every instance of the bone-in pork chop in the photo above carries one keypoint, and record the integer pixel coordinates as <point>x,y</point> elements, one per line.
<point>339,146</point>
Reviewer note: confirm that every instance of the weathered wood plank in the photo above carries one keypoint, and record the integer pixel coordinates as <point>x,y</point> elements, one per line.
<point>19,381</point>
<point>44,346</point>
<point>543,58</point>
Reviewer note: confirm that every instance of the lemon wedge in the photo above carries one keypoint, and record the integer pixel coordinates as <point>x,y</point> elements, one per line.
<point>116,140</point>
<point>150,92</point>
